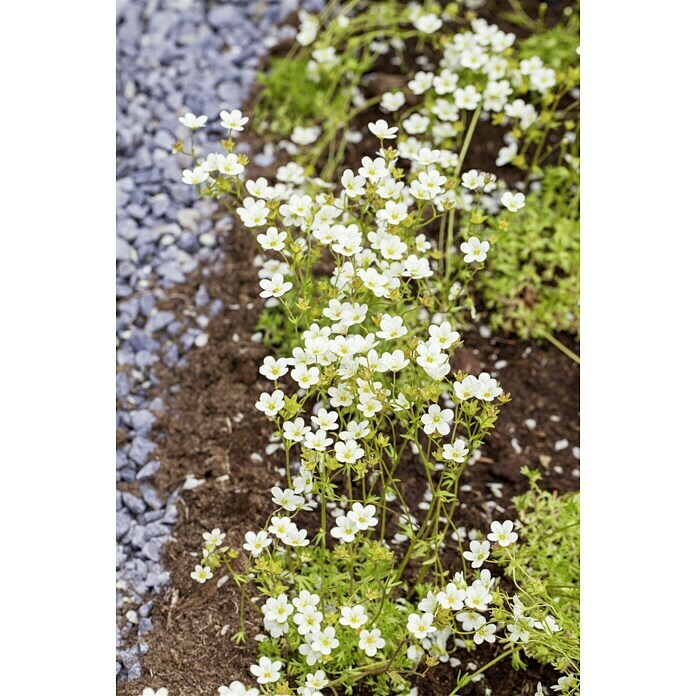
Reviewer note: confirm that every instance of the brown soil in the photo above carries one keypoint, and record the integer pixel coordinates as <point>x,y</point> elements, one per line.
<point>212,430</point>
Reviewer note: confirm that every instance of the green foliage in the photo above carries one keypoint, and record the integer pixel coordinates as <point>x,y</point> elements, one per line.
<point>557,46</point>
<point>289,77</point>
<point>545,568</point>
<point>531,282</point>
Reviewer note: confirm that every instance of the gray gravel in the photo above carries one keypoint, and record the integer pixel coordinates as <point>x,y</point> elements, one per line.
<point>174,56</point>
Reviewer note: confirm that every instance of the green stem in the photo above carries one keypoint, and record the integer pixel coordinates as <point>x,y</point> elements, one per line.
<point>564,349</point>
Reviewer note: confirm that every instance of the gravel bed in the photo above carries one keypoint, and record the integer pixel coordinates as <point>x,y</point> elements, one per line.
<point>174,56</point>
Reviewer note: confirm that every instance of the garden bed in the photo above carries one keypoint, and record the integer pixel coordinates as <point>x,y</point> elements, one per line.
<point>214,445</point>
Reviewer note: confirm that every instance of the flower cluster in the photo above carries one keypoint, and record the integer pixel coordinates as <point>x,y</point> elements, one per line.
<point>366,280</point>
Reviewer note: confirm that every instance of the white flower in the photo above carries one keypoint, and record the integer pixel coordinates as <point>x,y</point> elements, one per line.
<point>275,287</point>
<point>416,124</point>
<point>355,430</point>
<point>421,82</point>
<point>317,441</point>
<point>259,187</point>
<point>305,376</point>
<point>468,388</point>
<point>392,101</point>
<point>467,98</point>
<point>296,430</point>
<point>253,213</point>
<point>530,65</point>
<point>417,268</point>
<point>428,185</point>
<point>272,240</point>
<point>201,574</point>
<point>353,185</point>
<point>426,156</point>
<point>548,625</point>
<point>287,499</point>
<point>192,121</point>
<point>452,597</point>
<point>478,553</point>
<point>308,621</point>
<point>280,526</point>
<point>363,516</point>
<point>291,173</point>
<point>437,420</point>
<point>311,656</point>
<point>393,213</point>
<point>543,79</point>
<point>325,641</point>
<point>256,543</point>
<point>348,240</point>
<point>518,632</point>
<point>354,617</point>
<point>429,603</point>
<point>233,120</point>
<point>148,691</point>
<point>274,369</point>
<point>316,681</point>
<point>349,452</point>
<point>371,641</point>
<point>470,620</point>
<point>392,362</point>
<point>565,683</point>
<point>513,201</point>
<point>277,608</point>
<point>296,537</point>
<point>472,180</point>
<point>306,601</point>
<point>488,388</point>
<point>421,625</point>
<point>305,136</point>
<point>443,335</point>
<point>391,327</point>
<point>427,23</point>
<point>195,177</point>
<point>477,596</point>
<point>456,452</point>
<point>474,250</point>
<point>345,529</point>
<point>326,419</point>
<point>271,404</point>
<point>506,154</point>
<point>445,82</point>
<point>214,538</point>
<point>381,130</point>
<point>229,165</point>
<point>266,671</point>
<point>485,633</point>
<point>502,533</point>
<point>373,170</point>
<point>445,110</point>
